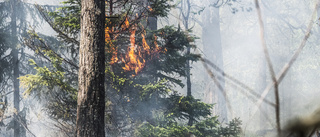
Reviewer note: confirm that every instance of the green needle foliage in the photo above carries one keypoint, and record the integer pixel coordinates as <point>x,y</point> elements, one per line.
<point>209,127</point>
<point>138,104</point>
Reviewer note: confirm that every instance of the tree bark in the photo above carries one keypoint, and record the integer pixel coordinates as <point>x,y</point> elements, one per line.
<point>91,95</point>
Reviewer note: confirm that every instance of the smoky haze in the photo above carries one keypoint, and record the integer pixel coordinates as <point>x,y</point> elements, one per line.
<point>285,25</point>
<point>229,36</point>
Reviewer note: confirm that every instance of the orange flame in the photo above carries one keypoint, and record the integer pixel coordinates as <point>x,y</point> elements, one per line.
<point>134,63</point>
<point>126,23</point>
<point>112,48</point>
<point>134,60</point>
<point>150,9</point>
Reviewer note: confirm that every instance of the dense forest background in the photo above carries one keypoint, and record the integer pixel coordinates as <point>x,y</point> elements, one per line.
<point>169,68</point>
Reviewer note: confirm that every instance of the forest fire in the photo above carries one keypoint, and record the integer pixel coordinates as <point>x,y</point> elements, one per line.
<point>137,55</point>
<point>112,48</point>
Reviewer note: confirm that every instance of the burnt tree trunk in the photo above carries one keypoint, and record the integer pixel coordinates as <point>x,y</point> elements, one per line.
<point>91,95</point>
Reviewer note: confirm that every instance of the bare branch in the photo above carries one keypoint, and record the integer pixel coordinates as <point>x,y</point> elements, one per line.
<point>213,77</point>
<point>238,82</point>
<point>286,67</point>
<point>273,76</point>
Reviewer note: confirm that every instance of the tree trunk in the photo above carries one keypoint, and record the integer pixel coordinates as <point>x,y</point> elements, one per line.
<point>188,66</point>
<point>91,95</point>
<point>212,48</point>
<point>185,11</point>
<point>15,63</point>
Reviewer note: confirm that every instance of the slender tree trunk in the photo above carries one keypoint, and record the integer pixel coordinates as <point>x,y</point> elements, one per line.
<point>185,11</point>
<point>16,95</point>
<point>188,66</point>
<point>91,95</point>
<point>152,24</point>
<point>151,20</point>
<point>190,122</point>
<point>212,48</point>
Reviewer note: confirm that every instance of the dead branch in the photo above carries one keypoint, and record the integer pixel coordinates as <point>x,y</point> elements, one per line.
<point>286,67</point>
<point>213,77</point>
<point>238,82</point>
<point>273,76</point>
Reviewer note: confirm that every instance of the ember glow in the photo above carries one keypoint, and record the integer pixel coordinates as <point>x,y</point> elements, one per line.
<point>137,55</point>
<point>112,49</point>
<point>150,9</point>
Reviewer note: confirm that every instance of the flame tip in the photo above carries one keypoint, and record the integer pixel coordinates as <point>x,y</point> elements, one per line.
<point>134,60</point>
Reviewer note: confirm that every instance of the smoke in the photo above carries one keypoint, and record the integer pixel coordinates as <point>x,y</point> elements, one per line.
<point>285,24</point>
<point>285,28</point>
<point>45,2</point>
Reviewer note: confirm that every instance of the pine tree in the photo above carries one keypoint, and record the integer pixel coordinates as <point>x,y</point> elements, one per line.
<point>136,98</point>
<point>15,25</point>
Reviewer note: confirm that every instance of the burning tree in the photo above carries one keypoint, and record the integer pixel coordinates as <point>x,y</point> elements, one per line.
<point>143,66</point>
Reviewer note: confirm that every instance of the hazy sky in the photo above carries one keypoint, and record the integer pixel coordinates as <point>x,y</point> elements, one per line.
<point>45,2</point>
<point>42,2</point>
